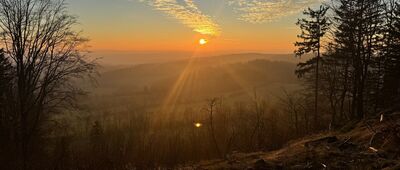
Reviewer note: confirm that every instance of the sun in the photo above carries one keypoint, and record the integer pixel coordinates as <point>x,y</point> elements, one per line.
<point>203,41</point>
<point>198,125</point>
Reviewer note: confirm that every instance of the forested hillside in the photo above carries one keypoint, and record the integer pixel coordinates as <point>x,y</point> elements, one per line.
<point>63,107</point>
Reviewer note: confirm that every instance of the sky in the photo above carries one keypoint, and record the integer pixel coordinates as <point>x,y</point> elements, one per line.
<point>177,25</point>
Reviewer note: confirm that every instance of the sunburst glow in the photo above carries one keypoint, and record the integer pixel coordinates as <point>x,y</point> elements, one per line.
<point>203,41</point>
<point>198,125</point>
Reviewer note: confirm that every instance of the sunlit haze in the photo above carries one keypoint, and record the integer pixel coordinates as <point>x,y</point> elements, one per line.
<point>172,25</point>
<point>199,84</point>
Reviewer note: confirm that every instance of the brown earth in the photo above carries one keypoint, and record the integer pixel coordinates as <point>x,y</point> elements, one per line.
<point>372,143</point>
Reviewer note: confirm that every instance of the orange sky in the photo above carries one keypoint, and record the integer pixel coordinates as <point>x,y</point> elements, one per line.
<point>171,25</point>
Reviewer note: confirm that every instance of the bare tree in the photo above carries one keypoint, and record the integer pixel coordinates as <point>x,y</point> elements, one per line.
<point>259,107</point>
<point>291,105</point>
<point>211,108</point>
<point>38,36</point>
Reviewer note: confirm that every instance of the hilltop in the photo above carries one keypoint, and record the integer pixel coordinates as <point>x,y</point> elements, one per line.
<point>369,144</point>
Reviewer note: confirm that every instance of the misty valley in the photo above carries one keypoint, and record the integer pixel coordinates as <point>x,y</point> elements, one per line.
<point>199,85</point>
<point>132,114</point>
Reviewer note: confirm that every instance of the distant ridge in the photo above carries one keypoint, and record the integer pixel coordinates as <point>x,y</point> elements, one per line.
<point>135,58</point>
<point>266,56</point>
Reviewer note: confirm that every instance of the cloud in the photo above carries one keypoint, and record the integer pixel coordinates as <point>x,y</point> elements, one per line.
<point>260,11</point>
<point>187,12</point>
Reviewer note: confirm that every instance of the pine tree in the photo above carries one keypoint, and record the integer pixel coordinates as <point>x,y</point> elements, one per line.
<point>391,73</point>
<point>313,30</point>
<point>357,35</point>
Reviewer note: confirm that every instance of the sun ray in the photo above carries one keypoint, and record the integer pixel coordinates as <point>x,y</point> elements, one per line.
<point>171,101</point>
<point>243,84</point>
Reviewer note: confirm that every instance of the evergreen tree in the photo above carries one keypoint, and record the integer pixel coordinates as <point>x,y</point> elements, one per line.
<point>357,36</point>
<point>313,29</point>
<point>391,73</point>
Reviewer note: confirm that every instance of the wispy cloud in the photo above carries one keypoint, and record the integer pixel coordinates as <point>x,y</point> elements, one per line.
<point>259,11</point>
<point>187,12</point>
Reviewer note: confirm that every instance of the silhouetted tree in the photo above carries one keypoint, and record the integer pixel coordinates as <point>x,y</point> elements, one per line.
<point>334,78</point>
<point>391,55</point>
<point>313,29</point>
<point>5,72</point>
<point>39,38</point>
<point>5,83</point>
<point>344,42</point>
<point>257,134</point>
<point>6,126</point>
<point>357,33</point>
<point>211,109</point>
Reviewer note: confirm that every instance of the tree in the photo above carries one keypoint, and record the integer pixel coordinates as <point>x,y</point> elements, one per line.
<point>291,106</point>
<point>357,35</point>
<point>5,72</point>
<point>259,109</point>
<point>313,30</point>
<point>391,55</point>
<point>211,109</point>
<point>5,83</point>
<point>39,39</point>
<point>5,116</point>
<point>334,83</point>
